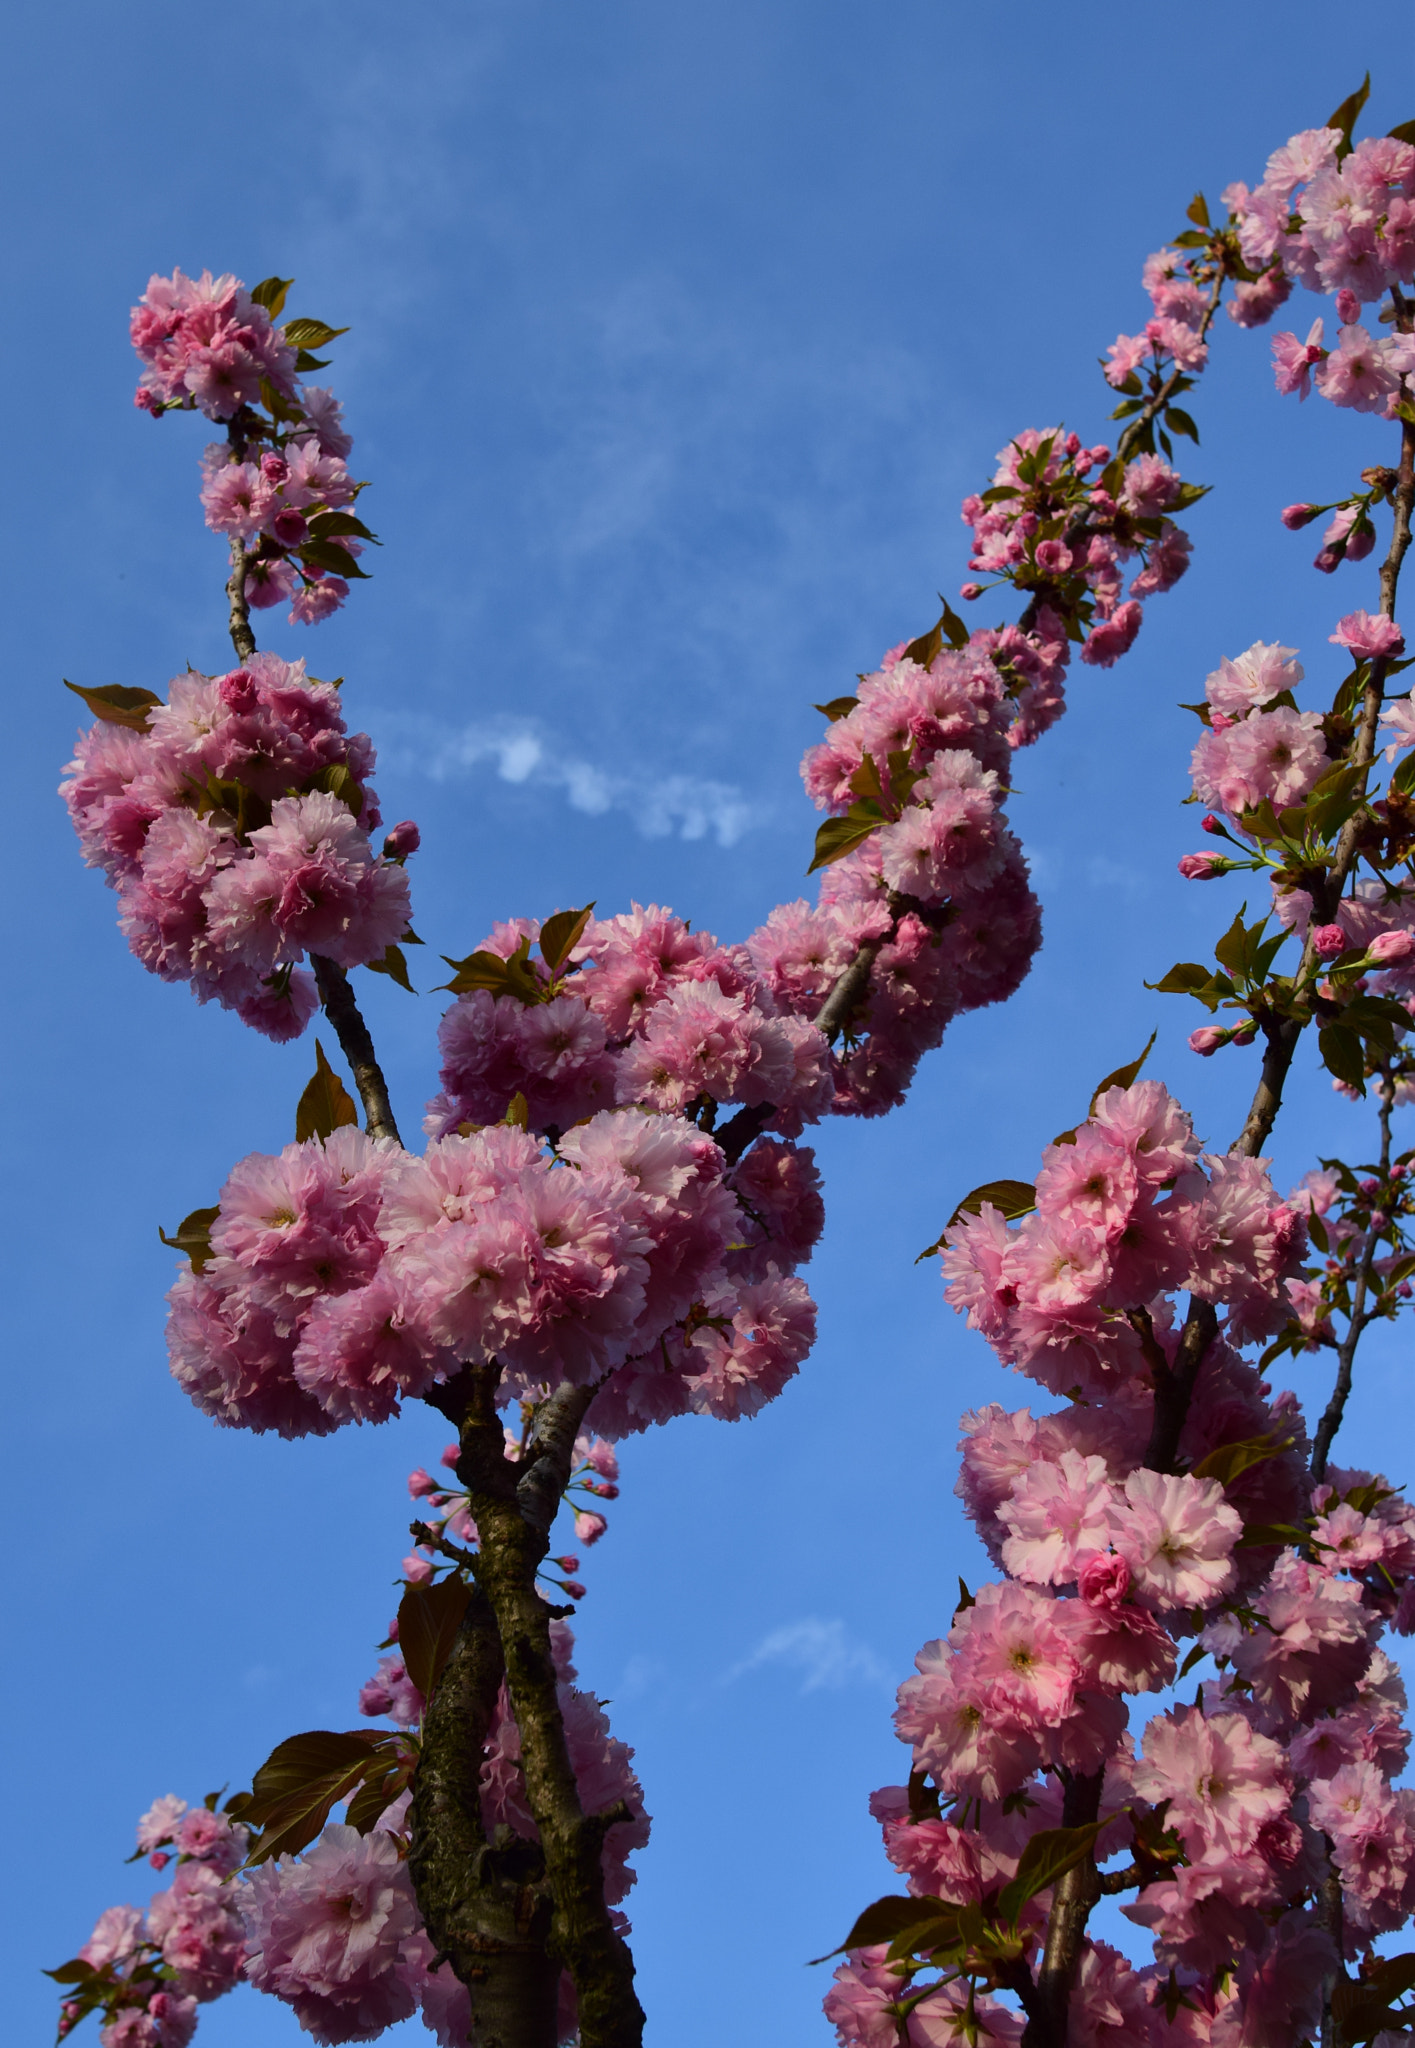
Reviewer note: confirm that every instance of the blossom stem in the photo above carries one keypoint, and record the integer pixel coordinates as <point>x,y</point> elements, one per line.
<point>1156,404</point>
<point>242,638</point>
<point>356,1043</point>
<point>1358,1319</point>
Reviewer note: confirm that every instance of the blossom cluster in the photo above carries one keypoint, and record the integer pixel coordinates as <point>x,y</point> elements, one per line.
<point>1058,522</point>
<point>148,1972</point>
<point>233,821</point>
<point>334,1932</point>
<point>1336,218</point>
<point>279,485</point>
<point>1111,1564</point>
<point>346,1275</point>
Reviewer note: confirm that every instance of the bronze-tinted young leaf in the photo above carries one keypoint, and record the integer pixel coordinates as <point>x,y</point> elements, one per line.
<point>1342,1055</point>
<point>326,1103</point>
<point>271,293</point>
<point>328,555</point>
<point>560,935</point>
<point>1404,131</point>
<point>839,836</point>
<point>866,779</point>
<point>1229,1461</point>
<point>394,966</point>
<point>1123,1077</point>
<point>1345,116</point>
<point>1047,1856</point>
<point>428,1620</point>
<point>329,525</point>
<point>71,1973</point>
<point>300,1783</point>
<point>884,1920</point>
<point>116,704</point>
<point>1012,1197</point>
<point>838,707</point>
<point>377,1793</point>
<point>1198,211</point>
<point>478,970</point>
<point>518,1113</point>
<point>1185,978</point>
<point>311,333</point>
<point>193,1236</point>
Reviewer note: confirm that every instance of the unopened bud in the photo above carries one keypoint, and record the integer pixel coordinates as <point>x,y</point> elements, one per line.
<point>1348,307</point>
<point>274,468</point>
<point>421,1483</point>
<point>1209,823</point>
<point>1329,940</point>
<point>575,1590</point>
<point>417,1570</point>
<point>1295,517</point>
<point>971,590</point>
<point>159,1859</point>
<point>402,840</point>
<point>1207,1039</point>
<point>1388,946</point>
<point>1203,867</point>
<point>450,1455</point>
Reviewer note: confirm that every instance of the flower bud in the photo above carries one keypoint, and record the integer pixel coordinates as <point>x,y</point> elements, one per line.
<point>1329,940</point>
<point>1209,823</point>
<point>402,840</point>
<point>575,1590</point>
<point>1348,307</point>
<point>971,590</point>
<point>1207,1039</point>
<point>1295,517</point>
<point>589,1526</point>
<point>450,1455</point>
<point>290,527</point>
<point>421,1483</point>
<point>274,468</point>
<point>1388,946</point>
<point>159,1859</point>
<point>1203,867</point>
<point>417,1570</point>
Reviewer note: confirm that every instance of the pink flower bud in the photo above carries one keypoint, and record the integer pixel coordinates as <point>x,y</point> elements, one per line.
<point>1328,561</point>
<point>1073,444</point>
<point>1100,454</point>
<point>421,1483</point>
<point>1207,1039</point>
<point>238,691</point>
<point>1295,517</point>
<point>290,527</point>
<point>402,840</point>
<point>567,1564</point>
<point>603,1487</point>
<point>1209,823</point>
<point>1329,940</point>
<point>575,1590</point>
<point>417,1570</point>
<point>1245,1034</point>
<point>589,1526</point>
<point>1348,307</point>
<point>1388,946</point>
<point>1359,543</point>
<point>159,1859</point>
<point>274,468</point>
<point>1104,1580</point>
<point>450,1455</point>
<point>971,590</point>
<point>1369,1188</point>
<point>1203,867</point>
<point>1404,1292</point>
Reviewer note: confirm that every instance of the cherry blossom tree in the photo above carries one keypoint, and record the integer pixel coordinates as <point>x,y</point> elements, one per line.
<point>604,1227</point>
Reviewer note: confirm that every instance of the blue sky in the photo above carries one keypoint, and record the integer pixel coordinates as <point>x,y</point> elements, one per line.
<point>677,335</point>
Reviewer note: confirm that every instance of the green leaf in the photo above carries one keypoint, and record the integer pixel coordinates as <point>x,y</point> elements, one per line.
<point>1232,949</point>
<point>72,1973</point>
<point>338,781</point>
<point>1345,116</point>
<point>305,362</point>
<point>518,1112</point>
<point>1228,1461</point>
<point>328,525</point>
<point>1047,1856</point>
<point>838,707</point>
<point>1185,978</point>
<point>1341,1055</point>
<point>394,965</point>
<point>886,1920</point>
<point>116,704</point>
<point>1179,422</point>
<point>560,935</point>
<point>1404,776</point>
<point>839,836</point>
<point>1270,1535</point>
<point>1123,1077</point>
<point>428,1620</point>
<point>1012,1197</point>
<point>1404,133</point>
<point>301,1782</point>
<point>1198,211</point>
<point>311,333</point>
<point>513,977</point>
<point>1126,407</point>
<point>327,554</point>
<point>193,1236</point>
<point>1190,1661</point>
<point>271,293</point>
<point>326,1104</point>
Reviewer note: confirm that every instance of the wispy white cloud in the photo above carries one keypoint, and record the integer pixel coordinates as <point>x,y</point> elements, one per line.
<point>823,1652</point>
<point>517,751</point>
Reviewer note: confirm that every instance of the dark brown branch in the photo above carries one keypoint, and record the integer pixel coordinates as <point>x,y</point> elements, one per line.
<point>242,638</point>
<point>849,989</point>
<point>355,1040</point>
<point>1358,1318</point>
<point>740,1130</point>
<point>1113,1881</point>
<point>1076,1893</point>
<point>513,1529</point>
<point>486,1905</point>
<point>1155,405</point>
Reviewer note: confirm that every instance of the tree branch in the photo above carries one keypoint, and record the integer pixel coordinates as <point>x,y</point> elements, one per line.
<point>514,1536</point>
<point>242,638</point>
<point>1076,1893</point>
<point>486,1905</point>
<point>356,1042</point>
<point>1358,1319</point>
